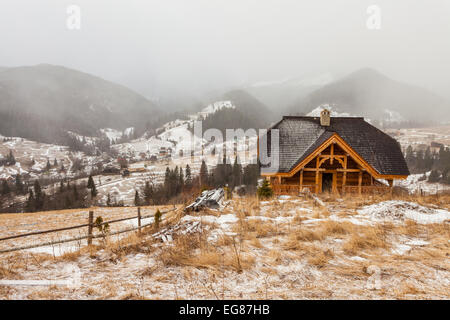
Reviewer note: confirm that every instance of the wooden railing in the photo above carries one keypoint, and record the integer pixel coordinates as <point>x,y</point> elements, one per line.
<point>366,189</point>
<point>291,188</point>
<point>294,189</point>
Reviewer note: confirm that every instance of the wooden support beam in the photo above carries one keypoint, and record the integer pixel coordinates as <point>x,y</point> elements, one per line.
<point>313,169</point>
<point>332,153</point>
<point>317,175</point>
<point>334,183</point>
<point>348,170</point>
<point>344,177</point>
<point>301,180</point>
<point>359,182</point>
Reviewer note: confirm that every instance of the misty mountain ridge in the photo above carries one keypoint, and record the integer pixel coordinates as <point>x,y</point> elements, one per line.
<point>281,94</point>
<point>39,101</point>
<point>369,93</point>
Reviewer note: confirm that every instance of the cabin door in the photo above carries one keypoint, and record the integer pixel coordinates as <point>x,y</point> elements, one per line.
<point>327,182</point>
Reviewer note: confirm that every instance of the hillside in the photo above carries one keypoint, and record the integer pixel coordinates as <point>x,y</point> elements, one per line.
<point>371,94</point>
<point>255,114</point>
<point>49,99</point>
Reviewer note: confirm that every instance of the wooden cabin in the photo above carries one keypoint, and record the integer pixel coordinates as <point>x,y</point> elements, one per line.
<point>334,154</point>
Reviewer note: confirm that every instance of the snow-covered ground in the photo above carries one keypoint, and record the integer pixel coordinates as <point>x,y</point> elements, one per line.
<point>286,248</point>
<point>25,151</point>
<point>401,210</point>
<point>415,186</point>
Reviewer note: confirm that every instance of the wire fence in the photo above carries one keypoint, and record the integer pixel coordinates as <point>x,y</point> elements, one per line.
<point>90,225</point>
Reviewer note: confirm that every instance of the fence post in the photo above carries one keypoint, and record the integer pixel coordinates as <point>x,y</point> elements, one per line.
<point>90,227</point>
<point>139,219</point>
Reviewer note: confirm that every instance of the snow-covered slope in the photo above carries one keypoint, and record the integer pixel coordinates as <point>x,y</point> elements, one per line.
<point>177,136</point>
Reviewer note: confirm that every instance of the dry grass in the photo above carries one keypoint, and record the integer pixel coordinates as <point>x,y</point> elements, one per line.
<point>194,250</point>
<point>366,238</point>
<point>256,228</point>
<point>321,258</point>
<point>333,228</point>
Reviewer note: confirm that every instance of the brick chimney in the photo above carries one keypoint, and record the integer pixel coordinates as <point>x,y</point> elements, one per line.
<point>325,118</point>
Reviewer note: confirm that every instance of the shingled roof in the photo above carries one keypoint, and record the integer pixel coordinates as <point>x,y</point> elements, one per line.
<point>299,136</point>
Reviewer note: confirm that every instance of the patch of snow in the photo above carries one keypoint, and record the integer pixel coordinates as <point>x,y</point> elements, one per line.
<point>400,210</point>
<point>333,111</point>
<point>414,185</point>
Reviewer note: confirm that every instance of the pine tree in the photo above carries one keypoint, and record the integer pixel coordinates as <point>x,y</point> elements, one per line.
<point>167,178</point>
<point>428,160</point>
<point>61,186</point>
<point>39,195</point>
<point>181,179</point>
<point>137,201</point>
<point>19,184</point>
<point>147,193</point>
<point>55,163</point>
<point>265,191</point>
<point>237,173</point>
<point>108,200</point>
<point>10,159</point>
<point>30,206</point>
<point>5,188</point>
<point>75,192</point>
<point>48,166</point>
<point>188,179</point>
<point>203,174</point>
<point>175,181</point>
<point>434,176</point>
<point>93,191</point>
<point>90,183</point>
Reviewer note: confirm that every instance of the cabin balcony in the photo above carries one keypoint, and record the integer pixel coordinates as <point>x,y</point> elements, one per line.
<point>295,189</point>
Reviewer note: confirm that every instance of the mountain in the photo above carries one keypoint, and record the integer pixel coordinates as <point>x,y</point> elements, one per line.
<point>371,94</point>
<point>256,114</point>
<point>279,95</point>
<point>236,109</point>
<point>39,102</point>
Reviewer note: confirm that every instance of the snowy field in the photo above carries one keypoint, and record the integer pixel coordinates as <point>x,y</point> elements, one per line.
<point>286,248</point>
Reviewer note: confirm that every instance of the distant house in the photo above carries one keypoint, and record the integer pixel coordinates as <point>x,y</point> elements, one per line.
<point>435,146</point>
<point>339,155</point>
<point>162,151</point>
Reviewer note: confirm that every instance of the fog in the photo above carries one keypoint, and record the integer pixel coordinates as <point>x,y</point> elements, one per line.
<point>194,46</point>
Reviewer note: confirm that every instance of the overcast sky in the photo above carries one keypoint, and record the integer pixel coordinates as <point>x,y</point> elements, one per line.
<point>196,45</point>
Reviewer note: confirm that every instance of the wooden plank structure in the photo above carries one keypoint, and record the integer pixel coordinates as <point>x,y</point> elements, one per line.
<point>334,166</point>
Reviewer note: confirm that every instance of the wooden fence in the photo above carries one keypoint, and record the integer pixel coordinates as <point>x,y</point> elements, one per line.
<point>90,227</point>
